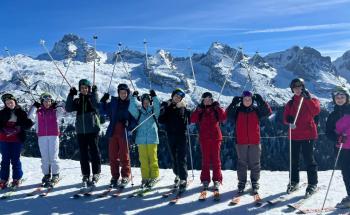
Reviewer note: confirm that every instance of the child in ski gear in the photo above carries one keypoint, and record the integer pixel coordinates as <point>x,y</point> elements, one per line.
<point>120,118</point>
<point>208,115</point>
<point>147,135</point>
<point>338,130</point>
<point>46,115</point>
<point>246,116</point>
<point>174,115</point>
<point>13,125</point>
<point>87,126</point>
<point>302,134</point>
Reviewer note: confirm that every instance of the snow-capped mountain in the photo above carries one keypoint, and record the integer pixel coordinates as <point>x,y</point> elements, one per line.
<point>72,46</point>
<point>269,75</point>
<point>342,64</point>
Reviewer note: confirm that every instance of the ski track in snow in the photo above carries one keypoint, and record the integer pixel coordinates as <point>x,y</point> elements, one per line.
<point>59,201</point>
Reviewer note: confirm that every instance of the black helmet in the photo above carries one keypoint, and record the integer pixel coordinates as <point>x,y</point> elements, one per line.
<point>146,96</point>
<point>179,92</point>
<point>207,94</point>
<point>8,96</point>
<point>123,87</point>
<point>297,82</point>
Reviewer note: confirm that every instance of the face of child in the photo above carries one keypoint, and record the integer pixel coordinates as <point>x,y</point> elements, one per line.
<point>208,101</point>
<point>177,98</point>
<point>247,101</point>
<point>340,99</point>
<point>10,104</point>
<point>84,90</point>
<point>145,103</point>
<point>297,90</point>
<point>47,103</point>
<point>123,94</point>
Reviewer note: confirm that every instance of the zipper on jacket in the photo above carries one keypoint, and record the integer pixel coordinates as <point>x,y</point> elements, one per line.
<point>247,127</point>
<point>83,114</point>
<point>45,116</point>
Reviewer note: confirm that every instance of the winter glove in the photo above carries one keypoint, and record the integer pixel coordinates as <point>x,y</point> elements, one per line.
<point>54,105</point>
<point>94,88</point>
<point>36,104</point>
<point>290,119</point>
<point>236,100</point>
<point>258,98</point>
<point>105,97</point>
<point>181,104</point>
<point>216,104</point>
<point>152,93</point>
<point>135,93</point>
<point>306,94</point>
<point>73,91</point>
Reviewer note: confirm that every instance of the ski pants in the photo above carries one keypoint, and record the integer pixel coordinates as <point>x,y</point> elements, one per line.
<point>11,153</point>
<point>211,157</point>
<point>49,149</point>
<point>118,153</point>
<point>178,148</point>
<point>307,149</point>
<point>149,160</point>
<point>344,164</point>
<point>248,157</point>
<point>89,151</point>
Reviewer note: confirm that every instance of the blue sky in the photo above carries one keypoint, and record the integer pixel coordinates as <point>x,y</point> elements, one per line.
<point>264,26</point>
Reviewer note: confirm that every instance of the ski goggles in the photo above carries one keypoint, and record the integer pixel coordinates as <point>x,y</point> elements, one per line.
<point>339,94</point>
<point>298,84</point>
<point>180,93</point>
<point>46,97</point>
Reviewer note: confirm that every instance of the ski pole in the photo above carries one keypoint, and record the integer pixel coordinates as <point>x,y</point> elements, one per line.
<point>42,43</point>
<point>250,70</point>
<point>21,77</point>
<point>115,63</point>
<point>142,122</point>
<point>233,66</point>
<point>190,147</point>
<point>290,139</point>
<point>129,75</point>
<point>330,181</point>
<point>94,71</point>
<point>191,63</point>
<point>147,68</point>
<point>65,74</point>
<point>127,144</point>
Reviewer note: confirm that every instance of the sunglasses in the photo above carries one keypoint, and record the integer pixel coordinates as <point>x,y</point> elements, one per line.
<point>46,98</point>
<point>297,85</point>
<point>181,94</point>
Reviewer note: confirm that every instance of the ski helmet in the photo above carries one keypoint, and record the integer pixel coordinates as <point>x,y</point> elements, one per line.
<point>123,87</point>
<point>207,94</point>
<point>146,96</point>
<point>84,82</point>
<point>338,90</point>
<point>296,83</point>
<point>45,97</point>
<point>247,93</point>
<point>8,96</point>
<point>179,92</point>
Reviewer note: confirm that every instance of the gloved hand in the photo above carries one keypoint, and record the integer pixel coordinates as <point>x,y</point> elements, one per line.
<point>216,104</point>
<point>73,91</point>
<point>306,94</point>
<point>105,97</point>
<point>290,119</point>
<point>94,88</point>
<point>36,104</point>
<point>135,93</point>
<point>181,104</point>
<point>54,105</point>
<point>236,100</point>
<point>152,93</point>
<point>258,98</point>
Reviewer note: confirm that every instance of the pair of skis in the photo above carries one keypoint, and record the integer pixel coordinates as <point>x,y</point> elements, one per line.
<point>44,188</point>
<point>12,189</point>
<point>237,199</point>
<point>204,193</point>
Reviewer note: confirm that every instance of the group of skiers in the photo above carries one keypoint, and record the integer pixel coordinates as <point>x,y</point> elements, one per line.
<point>142,115</point>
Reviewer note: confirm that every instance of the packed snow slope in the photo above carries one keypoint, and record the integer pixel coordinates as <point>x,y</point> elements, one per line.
<point>273,184</point>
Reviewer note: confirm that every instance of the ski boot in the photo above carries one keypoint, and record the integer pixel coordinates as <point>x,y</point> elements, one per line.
<point>345,203</point>
<point>114,183</point>
<point>45,180</point>
<point>144,183</point>
<point>255,188</point>
<point>311,189</point>
<point>205,185</point>
<point>125,181</point>
<point>216,185</point>
<point>95,179</point>
<point>3,184</point>
<point>55,179</point>
<point>176,182</point>
<point>241,187</point>
<point>294,186</point>
<point>152,182</point>
<point>16,182</point>
<point>182,186</point>
<point>85,181</point>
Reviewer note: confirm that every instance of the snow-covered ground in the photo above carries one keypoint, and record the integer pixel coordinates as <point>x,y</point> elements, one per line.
<point>273,184</point>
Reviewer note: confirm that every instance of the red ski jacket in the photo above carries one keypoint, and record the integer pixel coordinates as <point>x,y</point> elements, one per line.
<point>306,128</point>
<point>208,119</point>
